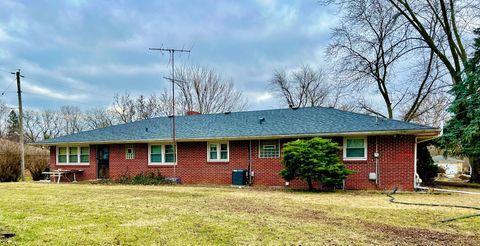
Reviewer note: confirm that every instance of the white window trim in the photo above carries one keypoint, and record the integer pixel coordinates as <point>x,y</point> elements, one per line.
<point>365,151</point>
<point>163,163</point>
<point>68,163</point>
<point>219,147</point>
<point>130,146</point>
<point>260,149</point>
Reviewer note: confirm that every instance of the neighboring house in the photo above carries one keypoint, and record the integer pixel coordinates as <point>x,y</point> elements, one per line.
<point>452,166</point>
<point>210,146</point>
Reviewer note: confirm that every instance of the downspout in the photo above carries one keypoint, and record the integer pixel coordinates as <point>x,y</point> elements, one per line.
<point>377,162</point>
<point>249,162</point>
<point>415,174</point>
<point>416,178</point>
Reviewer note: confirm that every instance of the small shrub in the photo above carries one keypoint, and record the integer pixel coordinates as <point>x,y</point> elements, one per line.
<point>37,161</point>
<point>148,178</point>
<point>311,160</point>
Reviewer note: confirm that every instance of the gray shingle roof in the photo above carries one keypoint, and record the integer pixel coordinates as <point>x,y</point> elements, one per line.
<point>277,122</point>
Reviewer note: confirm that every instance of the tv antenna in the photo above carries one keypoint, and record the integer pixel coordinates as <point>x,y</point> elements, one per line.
<point>172,52</point>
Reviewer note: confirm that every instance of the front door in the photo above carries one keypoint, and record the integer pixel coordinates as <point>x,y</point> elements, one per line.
<point>102,161</point>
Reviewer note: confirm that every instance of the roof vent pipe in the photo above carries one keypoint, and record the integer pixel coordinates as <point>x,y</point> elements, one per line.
<point>261,120</point>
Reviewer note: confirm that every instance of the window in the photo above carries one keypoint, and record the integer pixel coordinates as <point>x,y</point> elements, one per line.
<point>73,155</point>
<point>213,151</point>
<point>169,153</point>
<point>355,148</point>
<point>218,152</point>
<point>162,154</point>
<point>156,153</point>
<point>130,151</point>
<point>269,148</point>
<point>84,154</point>
<point>62,155</point>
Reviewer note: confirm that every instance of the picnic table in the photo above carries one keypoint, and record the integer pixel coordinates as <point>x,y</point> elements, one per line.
<point>58,174</point>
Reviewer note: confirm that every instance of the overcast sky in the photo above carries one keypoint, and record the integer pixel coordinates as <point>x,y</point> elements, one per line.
<point>81,52</point>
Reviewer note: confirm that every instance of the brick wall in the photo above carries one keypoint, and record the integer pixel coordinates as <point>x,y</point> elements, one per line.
<point>396,164</point>
<point>90,171</point>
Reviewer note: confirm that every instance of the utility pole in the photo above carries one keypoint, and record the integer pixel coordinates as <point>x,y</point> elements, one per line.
<point>172,59</point>
<point>20,121</point>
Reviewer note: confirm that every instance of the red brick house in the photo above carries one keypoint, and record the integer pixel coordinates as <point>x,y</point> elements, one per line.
<point>210,146</point>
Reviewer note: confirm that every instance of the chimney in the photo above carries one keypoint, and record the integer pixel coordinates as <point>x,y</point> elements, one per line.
<point>192,113</point>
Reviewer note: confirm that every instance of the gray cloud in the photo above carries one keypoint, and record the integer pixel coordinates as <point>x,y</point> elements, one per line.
<point>85,48</point>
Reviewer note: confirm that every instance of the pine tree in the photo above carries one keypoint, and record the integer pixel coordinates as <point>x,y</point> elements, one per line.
<point>462,132</point>
<point>312,160</point>
<point>426,167</point>
<point>13,127</point>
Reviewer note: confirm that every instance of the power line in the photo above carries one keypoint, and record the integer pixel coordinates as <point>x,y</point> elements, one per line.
<point>8,87</point>
<point>58,84</point>
<point>3,70</point>
<point>65,87</point>
<point>73,102</point>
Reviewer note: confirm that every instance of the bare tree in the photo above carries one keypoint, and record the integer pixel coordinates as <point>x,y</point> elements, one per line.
<point>3,119</point>
<point>203,90</point>
<point>152,106</point>
<point>302,88</point>
<point>72,119</point>
<point>165,104</point>
<point>31,123</point>
<point>127,109</point>
<point>445,39</point>
<point>371,45</point>
<point>123,108</point>
<point>98,118</point>
<point>432,112</point>
<point>50,124</point>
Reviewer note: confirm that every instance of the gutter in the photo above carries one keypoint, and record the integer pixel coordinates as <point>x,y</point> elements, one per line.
<point>425,132</point>
<point>434,137</point>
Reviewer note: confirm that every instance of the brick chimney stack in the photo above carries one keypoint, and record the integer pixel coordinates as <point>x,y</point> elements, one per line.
<point>192,113</point>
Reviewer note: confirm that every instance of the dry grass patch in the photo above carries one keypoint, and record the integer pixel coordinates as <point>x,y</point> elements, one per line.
<point>171,215</point>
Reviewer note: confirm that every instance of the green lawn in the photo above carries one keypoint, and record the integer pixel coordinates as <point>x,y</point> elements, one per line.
<point>84,214</point>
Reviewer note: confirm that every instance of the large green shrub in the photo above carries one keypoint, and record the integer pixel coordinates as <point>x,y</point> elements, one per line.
<point>426,168</point>
<point>312,160</point>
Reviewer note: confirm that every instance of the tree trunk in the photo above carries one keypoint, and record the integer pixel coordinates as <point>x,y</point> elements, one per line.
<point>310,184</point>
<point>475,164</point>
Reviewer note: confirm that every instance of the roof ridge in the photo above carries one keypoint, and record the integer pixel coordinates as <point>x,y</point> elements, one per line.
<point>380,117</point>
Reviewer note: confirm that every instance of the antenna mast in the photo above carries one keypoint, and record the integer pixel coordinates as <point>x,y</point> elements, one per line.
<point>172,58</point>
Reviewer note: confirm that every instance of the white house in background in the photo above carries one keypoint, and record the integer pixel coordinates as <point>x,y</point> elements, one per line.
<point>452,165</point>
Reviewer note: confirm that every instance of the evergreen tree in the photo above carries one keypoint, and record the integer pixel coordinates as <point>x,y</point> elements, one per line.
<point>426,167</point>
<point>13,127</point>
<point>311,160</point>
<point>462,132</point>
